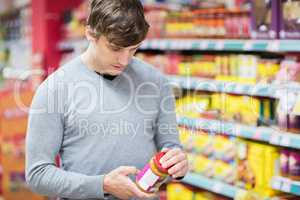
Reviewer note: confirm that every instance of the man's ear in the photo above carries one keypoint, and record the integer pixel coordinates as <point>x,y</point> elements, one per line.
<point>90,34</point>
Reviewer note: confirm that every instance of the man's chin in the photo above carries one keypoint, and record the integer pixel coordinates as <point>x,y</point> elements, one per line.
<point>115,72</point>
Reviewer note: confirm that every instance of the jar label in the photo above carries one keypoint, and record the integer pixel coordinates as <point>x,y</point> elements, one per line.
<point>146,178</point>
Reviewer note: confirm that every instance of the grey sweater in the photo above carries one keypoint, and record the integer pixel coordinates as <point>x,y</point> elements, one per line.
<point>96,125</point>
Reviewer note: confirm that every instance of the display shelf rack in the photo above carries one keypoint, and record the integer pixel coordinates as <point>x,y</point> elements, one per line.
<point>286,185</point>
<point>213,185</point>
<point>205,45</point>
<point>263,134</point>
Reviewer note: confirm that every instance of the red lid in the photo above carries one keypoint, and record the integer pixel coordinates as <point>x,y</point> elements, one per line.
<point>156,159</point>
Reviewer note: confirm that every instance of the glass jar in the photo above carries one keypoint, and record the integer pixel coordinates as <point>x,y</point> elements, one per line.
<point>153,175</point>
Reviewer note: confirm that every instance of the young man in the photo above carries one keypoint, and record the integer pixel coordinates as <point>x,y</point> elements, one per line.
<point>105,113</point>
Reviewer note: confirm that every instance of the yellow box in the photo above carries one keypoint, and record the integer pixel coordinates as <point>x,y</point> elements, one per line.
<point>179,192</point>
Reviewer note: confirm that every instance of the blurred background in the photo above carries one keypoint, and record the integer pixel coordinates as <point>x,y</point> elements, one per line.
<point>235,67</point>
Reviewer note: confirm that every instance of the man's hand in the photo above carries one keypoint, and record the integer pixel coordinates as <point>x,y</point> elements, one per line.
<point>121,186</point>
<point>176,160</point>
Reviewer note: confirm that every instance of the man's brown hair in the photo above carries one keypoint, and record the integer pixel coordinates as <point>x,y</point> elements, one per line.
<point>122,22</point>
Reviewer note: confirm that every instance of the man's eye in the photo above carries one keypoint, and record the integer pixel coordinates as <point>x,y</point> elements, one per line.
<point>115,48</point>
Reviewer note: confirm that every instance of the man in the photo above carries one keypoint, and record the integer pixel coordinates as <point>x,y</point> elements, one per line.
<point>105,113</point>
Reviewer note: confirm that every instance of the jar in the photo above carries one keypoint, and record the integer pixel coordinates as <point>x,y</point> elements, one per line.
<point>153,175</point>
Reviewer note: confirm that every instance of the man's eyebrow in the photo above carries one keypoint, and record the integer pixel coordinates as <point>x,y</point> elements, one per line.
<point>119,47</point>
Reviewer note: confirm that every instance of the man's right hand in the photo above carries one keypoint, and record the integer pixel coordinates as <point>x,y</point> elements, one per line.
<point>121,186</point>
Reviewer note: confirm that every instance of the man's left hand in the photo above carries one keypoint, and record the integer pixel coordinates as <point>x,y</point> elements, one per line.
<point>176,162</point>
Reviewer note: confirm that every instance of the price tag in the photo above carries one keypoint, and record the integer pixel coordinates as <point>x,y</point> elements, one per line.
<point>286,186</point>
<point>220,45</point>
<point>237,130</point>
<point>217,187</point>
<point>162,45</point>
<point>180,44</point>
<point>273,46</point>
<point>152,44</point>
<point>188,45</point>
<point>285,141</point>
<point>204,44</point>
<point>275,139</point>
<point>276,184</point>
<point>173,45</point>
<point>257,135</point>
<point>278,93</point>
<point>248,45</point>
<point>239,89</point>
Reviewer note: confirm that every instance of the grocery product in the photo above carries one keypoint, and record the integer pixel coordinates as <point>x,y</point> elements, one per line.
<point>153,175</point>
<point>239,68</point>
<point>192,105</point>
<point>179,192</point>
<point>294,165</point>
<point>257,164</point>
<point>284,162</point>
<point>264,19</point>
<point>289,22</point>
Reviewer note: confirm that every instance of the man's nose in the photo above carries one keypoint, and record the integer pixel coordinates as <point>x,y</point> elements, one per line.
<point>124,58</point>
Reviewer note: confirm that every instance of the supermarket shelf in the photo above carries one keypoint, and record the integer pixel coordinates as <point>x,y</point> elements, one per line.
<point>273,90</point>
<point>212,185</point>
<point>264,134</point>
<point>204,45</point>
<point>261,90</point>
<point>286,185</point>
<point>164,5</point>
<point>222,45</point>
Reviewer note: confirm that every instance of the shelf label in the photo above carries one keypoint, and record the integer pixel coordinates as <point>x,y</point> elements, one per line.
<point>257,135</point>
<point>248,45</point>
<point>286,186</point>
<point>204,44</point>
<point>276,184</point>
<point>217,187</point>
<point>220,45</point>
<point>285,141</point>
<point>162,45</point>
<point>275,139</point>
<point>239,89</point>
<point>273,46</point>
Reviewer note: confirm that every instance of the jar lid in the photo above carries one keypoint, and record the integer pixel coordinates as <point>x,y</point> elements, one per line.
<point>156,159</point>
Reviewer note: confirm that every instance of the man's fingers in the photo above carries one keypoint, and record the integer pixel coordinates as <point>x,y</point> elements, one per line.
<point>169,154</point>
<point>178,169</point>
<point>139,193</point>
<point>181,173</point>
<point>126,170</point>
<point>174,160</point>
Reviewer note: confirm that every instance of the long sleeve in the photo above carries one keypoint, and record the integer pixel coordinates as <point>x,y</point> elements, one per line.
<point>43,143</point>
<point>166,125</point>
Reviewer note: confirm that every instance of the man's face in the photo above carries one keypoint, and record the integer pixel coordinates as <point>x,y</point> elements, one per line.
<point>113,59</point>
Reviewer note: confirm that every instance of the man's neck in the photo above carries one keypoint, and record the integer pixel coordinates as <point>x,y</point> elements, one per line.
<point>88,59</point>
